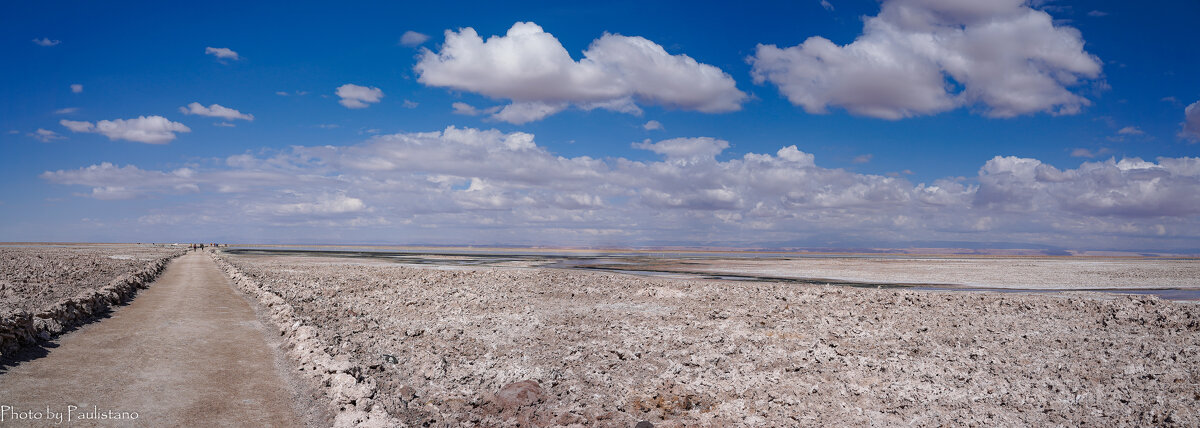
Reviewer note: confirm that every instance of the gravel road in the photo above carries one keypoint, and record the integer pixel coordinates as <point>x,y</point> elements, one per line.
<point>188,351</point>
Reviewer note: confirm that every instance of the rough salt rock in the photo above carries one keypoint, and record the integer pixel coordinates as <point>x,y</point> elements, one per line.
<point>305,333</point>
<point>350,419</point>
<point>346,389</point>
<point>519,394</point>
<point>407,393</point>
<point>340,365</point>
<point>378,418</point>
<point>980,359</point>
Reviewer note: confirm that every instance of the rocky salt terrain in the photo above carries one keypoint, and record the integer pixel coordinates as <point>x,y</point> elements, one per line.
<point>33,277</point>
<point>45,290</point>
<point>521,347</point>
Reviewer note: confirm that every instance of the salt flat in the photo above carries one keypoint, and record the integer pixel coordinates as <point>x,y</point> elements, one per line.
<point>502,340</point>
<point>975,271</point>
<point>509,346</point>
<point>35,276</point>
<point>1176,278</point>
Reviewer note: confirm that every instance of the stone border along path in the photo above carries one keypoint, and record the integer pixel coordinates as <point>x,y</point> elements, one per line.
<point>350,393</point>
<point>189,351</point>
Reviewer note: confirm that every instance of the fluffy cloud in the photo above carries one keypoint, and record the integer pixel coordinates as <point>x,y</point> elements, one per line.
<point>46,135</point>
<point>652,125</point>
<point>109,181</point>
<point>310,205</point>
<point>686,149</point>
<point>1130,130</point>
<point>142,129</point>
<point>76,88</point>
<point>413,38</point>
<point>448,185</point>
<point>921,57</point>
<point>215,110</point>
<point>521,113</point>
<point>470,110</point>
<point>45,42</point>
<point>1130,187</point>
<point>1191,123</point>
<point>529,67</point>
<point>222,53</point>
<point>354,96</point>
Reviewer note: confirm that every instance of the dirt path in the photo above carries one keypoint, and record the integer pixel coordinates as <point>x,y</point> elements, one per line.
<point>188,351</point>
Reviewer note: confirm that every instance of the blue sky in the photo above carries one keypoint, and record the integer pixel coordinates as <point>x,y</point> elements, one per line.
<point>1112,82</point>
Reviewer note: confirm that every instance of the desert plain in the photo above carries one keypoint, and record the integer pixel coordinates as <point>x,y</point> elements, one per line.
<point>523,342</point>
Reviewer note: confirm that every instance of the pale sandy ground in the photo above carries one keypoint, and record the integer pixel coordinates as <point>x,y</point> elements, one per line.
<point>519,347</point>
<point>187,351</point>
<point>999,272</point>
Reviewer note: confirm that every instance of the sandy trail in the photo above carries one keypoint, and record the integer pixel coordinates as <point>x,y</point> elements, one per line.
<point>188,351</point>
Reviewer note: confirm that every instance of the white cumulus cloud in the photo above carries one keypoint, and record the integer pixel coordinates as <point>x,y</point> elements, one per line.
<point>1191,123</point>
<point>109,181</point>
<point>412,38</point>
<point>45,42</point>
<point>529,67</point>
<point>76,88</point>
<point>354,96</point>
<point>1130,187</point>
<point>215,110</point>
<point>652,125</point>
<point>521,113</point>
<point>922,57</point>
<point>46,135</point>
<point>222,53</point>
<point>142,129</point>
<point>470,110</point>
<point>686,149</point>
<point>461,183</point>
<point>312,205</point>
